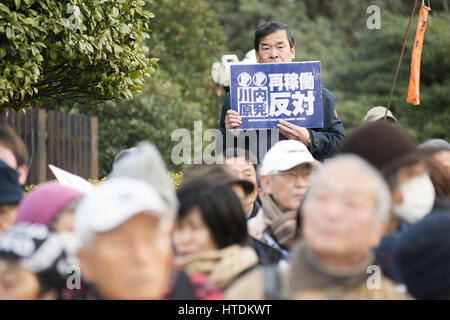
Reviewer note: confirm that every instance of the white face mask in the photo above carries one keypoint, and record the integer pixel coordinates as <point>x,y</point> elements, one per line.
<point>418,199</point>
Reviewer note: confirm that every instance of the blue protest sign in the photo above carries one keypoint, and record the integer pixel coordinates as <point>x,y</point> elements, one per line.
<point>264,94</point>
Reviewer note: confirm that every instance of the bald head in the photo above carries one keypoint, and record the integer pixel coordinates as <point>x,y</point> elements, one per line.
<point>350,175</point>
<point>345,208</point>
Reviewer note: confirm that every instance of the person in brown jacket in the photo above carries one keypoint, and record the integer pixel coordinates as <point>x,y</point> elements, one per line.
<point>344,215</point>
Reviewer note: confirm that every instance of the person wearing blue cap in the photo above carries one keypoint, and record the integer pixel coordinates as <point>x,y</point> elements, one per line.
<point>10,195</point>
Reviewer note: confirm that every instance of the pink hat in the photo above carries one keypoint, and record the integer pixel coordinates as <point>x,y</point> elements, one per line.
<point>42,204</point>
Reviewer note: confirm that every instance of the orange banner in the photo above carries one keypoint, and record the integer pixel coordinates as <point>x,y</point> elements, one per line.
<point>414,79</point>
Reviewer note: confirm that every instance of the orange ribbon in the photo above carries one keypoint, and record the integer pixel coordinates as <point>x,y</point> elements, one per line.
<point>414,79</point>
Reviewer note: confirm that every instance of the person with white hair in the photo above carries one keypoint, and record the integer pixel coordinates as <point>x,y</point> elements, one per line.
<point>344,216</point>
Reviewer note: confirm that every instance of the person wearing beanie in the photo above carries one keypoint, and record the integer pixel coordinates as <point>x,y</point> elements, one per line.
<point>392,151</point>
<point>395,154</point>
<point>50,204</point>
<point>10,195</point>
<point>422,257</point>
<point>33,263</point>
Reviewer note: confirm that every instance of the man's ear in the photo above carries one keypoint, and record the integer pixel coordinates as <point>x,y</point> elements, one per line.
<point>266,184</point>
<point>293,53</point>
<point>23,174</point>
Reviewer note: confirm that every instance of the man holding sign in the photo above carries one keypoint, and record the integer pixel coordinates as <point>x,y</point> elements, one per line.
<point>275,44</point>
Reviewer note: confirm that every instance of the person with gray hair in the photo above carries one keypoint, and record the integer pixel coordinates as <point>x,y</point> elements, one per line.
<point>435,144</point>
<point>439,149</point>
<point>344,216</point>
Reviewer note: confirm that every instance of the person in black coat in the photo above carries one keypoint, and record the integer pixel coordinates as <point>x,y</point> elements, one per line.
<point>273,44</point>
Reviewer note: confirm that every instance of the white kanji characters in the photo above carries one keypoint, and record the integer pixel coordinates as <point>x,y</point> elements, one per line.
<point>306,81</point>
<point>310,103</point>
<point>302,103</point>
<point>279,102</point>
<point>297,102</point>
<point>276,80</point>
<point>291,81</point>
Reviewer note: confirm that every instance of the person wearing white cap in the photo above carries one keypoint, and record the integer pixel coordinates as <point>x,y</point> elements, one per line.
<point>284,176</point>
<point>124,227</point>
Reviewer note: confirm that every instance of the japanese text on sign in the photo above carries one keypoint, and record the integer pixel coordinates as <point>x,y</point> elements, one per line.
<point>263,94</point>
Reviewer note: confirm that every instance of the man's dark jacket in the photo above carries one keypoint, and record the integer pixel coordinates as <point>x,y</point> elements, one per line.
<point>324,141</point>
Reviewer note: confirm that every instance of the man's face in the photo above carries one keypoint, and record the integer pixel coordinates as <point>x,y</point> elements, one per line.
<point>8,214</point>
<point>16,282</point>
<point>338,217</point>
<point>275,48</point>
<point>8,156</point>
<point>132,261</point>
<point>246,171</point>
<point>287,188</point>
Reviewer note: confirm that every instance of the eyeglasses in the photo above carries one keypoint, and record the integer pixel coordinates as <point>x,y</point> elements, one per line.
<point>304,173</point>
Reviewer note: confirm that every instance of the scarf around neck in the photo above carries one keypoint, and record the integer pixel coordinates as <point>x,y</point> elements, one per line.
<point>281,225</point>
<point>221,266</point>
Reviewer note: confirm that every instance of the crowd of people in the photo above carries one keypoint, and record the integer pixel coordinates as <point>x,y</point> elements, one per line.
<point>319,216</point>
<point>372,222</point>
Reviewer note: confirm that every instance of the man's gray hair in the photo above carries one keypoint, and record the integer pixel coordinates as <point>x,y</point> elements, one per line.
<point>435,145</point>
